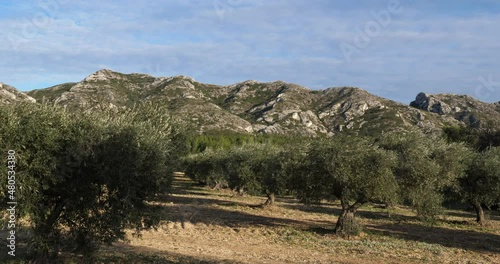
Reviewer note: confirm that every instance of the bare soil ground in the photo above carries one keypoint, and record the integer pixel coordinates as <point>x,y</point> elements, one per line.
<point>201,225</point>
<point>210,226</point>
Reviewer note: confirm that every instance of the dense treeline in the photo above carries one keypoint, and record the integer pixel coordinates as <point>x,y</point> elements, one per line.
<point>226,140</point>
<point>83,178</point>
<point>477,138</point>
<point>411,168</point>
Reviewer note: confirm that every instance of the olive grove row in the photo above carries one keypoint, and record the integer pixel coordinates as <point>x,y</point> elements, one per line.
<point>412,168</point>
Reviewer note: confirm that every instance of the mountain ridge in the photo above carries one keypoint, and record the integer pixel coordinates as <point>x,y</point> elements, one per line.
<point>270,107</point>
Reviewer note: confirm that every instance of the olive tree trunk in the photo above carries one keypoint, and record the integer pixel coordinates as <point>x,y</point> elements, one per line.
<point>479,213</point>
<point>270,198</point>
<point>42,254</point>
<point>346,223</point>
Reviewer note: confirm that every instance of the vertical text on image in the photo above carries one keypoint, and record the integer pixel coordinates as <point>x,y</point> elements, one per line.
<point>11,202</point>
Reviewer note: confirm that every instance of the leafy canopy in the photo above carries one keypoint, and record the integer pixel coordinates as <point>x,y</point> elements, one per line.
<point>85,177</point>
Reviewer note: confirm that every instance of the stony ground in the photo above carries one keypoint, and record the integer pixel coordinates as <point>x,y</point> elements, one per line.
<point>202,225</point>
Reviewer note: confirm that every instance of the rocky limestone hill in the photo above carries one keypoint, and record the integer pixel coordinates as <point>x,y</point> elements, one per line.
<point>273,107</point>
<point>9,94</point>
<point>463,108</point>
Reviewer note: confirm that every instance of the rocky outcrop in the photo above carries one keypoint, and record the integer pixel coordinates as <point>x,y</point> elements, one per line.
<point>429,103</point>
<point>462,108</point>
<point>9,94</point>
<point>103,75</point>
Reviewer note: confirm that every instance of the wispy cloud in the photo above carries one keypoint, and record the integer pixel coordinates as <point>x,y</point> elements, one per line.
<point>428,46</point>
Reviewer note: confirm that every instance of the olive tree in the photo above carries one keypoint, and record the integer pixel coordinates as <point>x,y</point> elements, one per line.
<point>84,178</point>
<point>352,169</point>
<point>254,168</point>
<point>481,185</point>
<point>206,168</point>
<point>232,166</point>
<point>269,168</point>
<point>427,165</point>
<point>236,166</point>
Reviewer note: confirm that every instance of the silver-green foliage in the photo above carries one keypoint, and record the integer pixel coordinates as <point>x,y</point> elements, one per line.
<point>352,169</point>
<point>481,185</point>
<point>254,168</point>
<point>427,165</point>
<point>83,178</point>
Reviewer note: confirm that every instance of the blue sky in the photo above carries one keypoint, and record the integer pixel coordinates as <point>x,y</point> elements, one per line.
<point>390,48</point>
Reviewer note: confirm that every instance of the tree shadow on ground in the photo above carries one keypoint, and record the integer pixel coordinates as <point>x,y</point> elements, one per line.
<point>470,216</point>
<point>218,212</point>
<point>320,230</point>
<point>463,214</point>
<point>335,212</point>
<point>189,203</point>
<point>212,211</point>
<point>468,240</point>
<point>125,253</point>
<point>184,185</point>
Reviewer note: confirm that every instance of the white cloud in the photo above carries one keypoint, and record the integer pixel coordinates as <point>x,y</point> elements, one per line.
<point>294,41</point>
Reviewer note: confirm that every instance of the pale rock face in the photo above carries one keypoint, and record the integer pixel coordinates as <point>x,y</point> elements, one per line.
<point>249,129</point>
<point>102,75</point>
<point>326,114</point>
<point>351,110</point>
<point>269,119</point>
<point>188,84</point>
<point>243,89</point>
<point>258,127</point>
<point>286,112</point>
<point>306,117</point>
<point>9,94</point>
<point>431,104</point>
<point>31,99</point>
<point>188,96</point>
<point>158,81</point>
<point>274,129</point>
